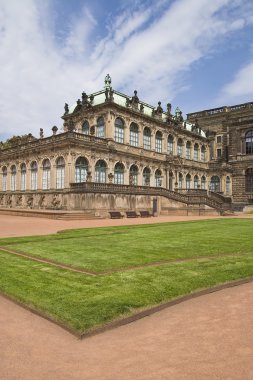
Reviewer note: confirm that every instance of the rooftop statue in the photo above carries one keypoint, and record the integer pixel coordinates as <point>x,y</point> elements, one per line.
<point>108,81</point>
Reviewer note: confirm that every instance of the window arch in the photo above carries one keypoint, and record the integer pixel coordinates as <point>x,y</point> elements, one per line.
<point>100,130</point>
<point>4,181</point>
<point>196,182</point>
<point>170,146</point>
<point>81,169</point>
<point>146,177</point>
<point>249,180</point>
<point>180,147</point>
<point>146,138</point>
<point>46,174</point>
<point>203,153</point>
<point>215,183</point>
<point>134,131</point>
<point>188,150</point>
<point>100,171</point>
<point>60,173</point>
<point>119,173</point>
<point>203,182</point>
<point>196,152</point>
<point>158,142</point>
<point>133,175</point>
<point>171,180</point>
<point>13,178</point>
<point>158,178</point>
<point>119,130</point>
<point>180,180</point>
<point>188,181</point>
<point>86,128</point>
<point>34,175</point>
<point>249,142</point>
<point>228,184</point>
<point>23,176</point>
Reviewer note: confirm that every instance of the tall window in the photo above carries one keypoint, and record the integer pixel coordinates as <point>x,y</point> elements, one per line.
<point>180,147</point>
<point>180,181</point>
<point>119,131</point>
<point>81,168</point>
<point>86,128</point>
<point>171,177</point>
<point>196,182</point>
<point>196,152</point>
<point>203,182</point>
<point>100,171</point>
<point>249,142</point>
<point>249,180</point>
<point>13,178</point>
<point>203,153</point>
<point>170,144</point>
<point>119,174</point>
<point>188,181</point>
<point>188,150</point>
<point>215,183</point>
<point>4,182</point>
<point>100,132</point>
<point>34,175</point>
<point>134,134</point>
<point>158,178</point>
<point>146,138</point>
<point>133,175</point>
<point>227,184</point>
<point>158,142</point>
<point>23,176</point>
<point>46,175</point>
<point>60,173</point>
<point>146,177</point>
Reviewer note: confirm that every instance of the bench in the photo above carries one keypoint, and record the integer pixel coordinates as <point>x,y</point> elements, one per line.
<point>145,214</point>
<point>131,214</point>
<point>116,214</point>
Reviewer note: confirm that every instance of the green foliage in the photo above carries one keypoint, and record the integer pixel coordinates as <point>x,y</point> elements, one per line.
<point>16,140</point>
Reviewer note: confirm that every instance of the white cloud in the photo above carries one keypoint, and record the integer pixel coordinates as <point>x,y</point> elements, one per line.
<point>144,49</point>
<point>241,86</point>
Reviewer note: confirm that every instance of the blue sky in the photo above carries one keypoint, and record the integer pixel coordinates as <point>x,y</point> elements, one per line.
<point>196,54</point>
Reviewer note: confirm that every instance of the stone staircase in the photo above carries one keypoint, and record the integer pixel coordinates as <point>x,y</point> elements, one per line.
<point>78,215</point>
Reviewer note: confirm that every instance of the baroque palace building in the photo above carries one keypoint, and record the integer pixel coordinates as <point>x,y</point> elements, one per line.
<point>116,152</point>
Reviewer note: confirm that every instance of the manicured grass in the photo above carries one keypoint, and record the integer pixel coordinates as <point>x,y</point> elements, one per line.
<point>84,302</point>
<point>105,249</point>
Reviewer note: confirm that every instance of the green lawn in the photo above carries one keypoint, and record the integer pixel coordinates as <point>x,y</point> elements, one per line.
<point>84,302</point>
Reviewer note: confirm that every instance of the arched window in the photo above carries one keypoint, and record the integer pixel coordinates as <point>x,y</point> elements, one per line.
<point>171,178</point>
<point>180,181</point>
<point>133,175</point>
<point>4,182</point>
<point>60,173</point>
<point>100,131</point>
<point>203,153</point>
<point>100,171</point>
<point>86,128</point>
<point>227,184</point>
<point>196,182</point>
<point>188,181</point>
<point>81,168</point>
<point>134,141</point>
<point>13,178</point>
<point>203,182</point>
<point>119,174</point>
<point>249,142</point>
<point>46,174</point>
<point>119,131</point>
<point>146,177</point>
<point>146,138</point>
<point>188,150</point>
<point>158,178</point>
<point>170,144</point>
<point>23,176</point>
<point>158,142</point>
<point>180,147</point>
<point>249,180</point>
<point>196,152</point>
<point>34,175</point>
<point>215,183</point>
